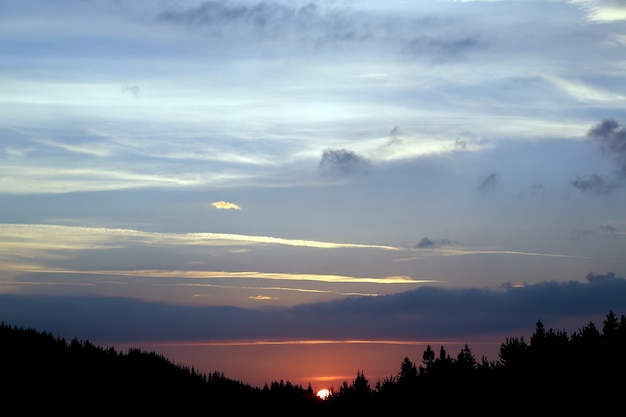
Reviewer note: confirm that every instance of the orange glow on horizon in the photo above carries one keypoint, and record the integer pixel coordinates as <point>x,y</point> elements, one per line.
<point>323,364</point>
<point>288,342</point>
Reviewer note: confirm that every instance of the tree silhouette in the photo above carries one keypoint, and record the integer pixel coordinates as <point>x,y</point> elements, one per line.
<point>407,376</point>
<point>610,328</point>
<point>539,336</point>
<point>554,373</point>
<point>466,362</point>
<point>513,353</point>
<point>428,357</point>
<point>361,386</point>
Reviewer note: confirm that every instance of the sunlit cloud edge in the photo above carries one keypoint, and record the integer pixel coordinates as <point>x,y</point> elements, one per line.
<point>182,274</point>
<point>180,238</point>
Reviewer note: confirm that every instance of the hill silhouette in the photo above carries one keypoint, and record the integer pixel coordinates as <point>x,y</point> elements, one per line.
<point>42,373</point>
<point>552,372</point>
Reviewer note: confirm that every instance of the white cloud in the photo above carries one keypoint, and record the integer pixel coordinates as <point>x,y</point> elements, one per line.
<point>48,236</point>
<point>604,11</point>
<point>584,92</point>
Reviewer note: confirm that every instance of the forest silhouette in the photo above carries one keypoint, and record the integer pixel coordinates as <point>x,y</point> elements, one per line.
<point>552,372</point>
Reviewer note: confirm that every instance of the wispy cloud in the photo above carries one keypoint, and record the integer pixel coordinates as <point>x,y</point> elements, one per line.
<point>603,11</point>
<point>489,182</point>
<point>188,274</point>
<point>31,179</point>
<point>281,289</point>
<point>48,236</point>
<point>40,248</point>
<point>460,251</point>
<point>95,149</point>
<point>584,92</point>
<point>287,342</point>
<point>444,50</point>
<point>504,252</point>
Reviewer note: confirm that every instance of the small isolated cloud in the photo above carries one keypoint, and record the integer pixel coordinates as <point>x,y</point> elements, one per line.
<point>594,183</point>
<point>343,162</point>
<point>460,144</point>
<point>263,298</point>
<point>611,136</point>
<point>609,230</point>
<point>611,139</point>
<point>489,182</point>
<point>131,89</point>
<point>581,234</point>
<point>393,136</point>
<point>538,189</point>
<point>441,49</point>
<point>225,205</point>
<point>427,243</point>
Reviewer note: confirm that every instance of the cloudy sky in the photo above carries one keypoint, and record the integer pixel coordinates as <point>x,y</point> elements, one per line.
<point>278,172</point>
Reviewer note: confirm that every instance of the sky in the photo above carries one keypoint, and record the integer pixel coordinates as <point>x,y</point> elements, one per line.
<point>302,190</point>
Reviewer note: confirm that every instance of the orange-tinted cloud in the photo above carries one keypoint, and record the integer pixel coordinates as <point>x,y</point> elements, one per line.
<point>225,205</point>
<point>263,298</point>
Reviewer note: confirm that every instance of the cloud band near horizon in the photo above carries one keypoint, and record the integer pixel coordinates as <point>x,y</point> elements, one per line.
<point>424,313</point>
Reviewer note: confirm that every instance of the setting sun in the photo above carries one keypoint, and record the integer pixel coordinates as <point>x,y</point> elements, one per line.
<point>323,393</point>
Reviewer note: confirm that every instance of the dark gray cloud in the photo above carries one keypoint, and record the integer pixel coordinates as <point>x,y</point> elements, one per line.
<point>342,162</point>
<point>427,243</point>
<point>218,13</point>
<point>609,230</point>
<point>443,49</point>
<point>310,22</point>
<point>538,189</point>
<point>581,234</point>
<point>489,182</point>
<point>427,312</point>
<point>594,183</point>
<point>394,136</point>
<point>324,24</point>
<point>593,277</point>
<point>460,144</point>
<point>610,137</point>
<point>133,90</point>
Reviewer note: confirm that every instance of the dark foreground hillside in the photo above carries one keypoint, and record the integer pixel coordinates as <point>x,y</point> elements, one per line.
<point>42,373</point>
<point>551,373</point>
